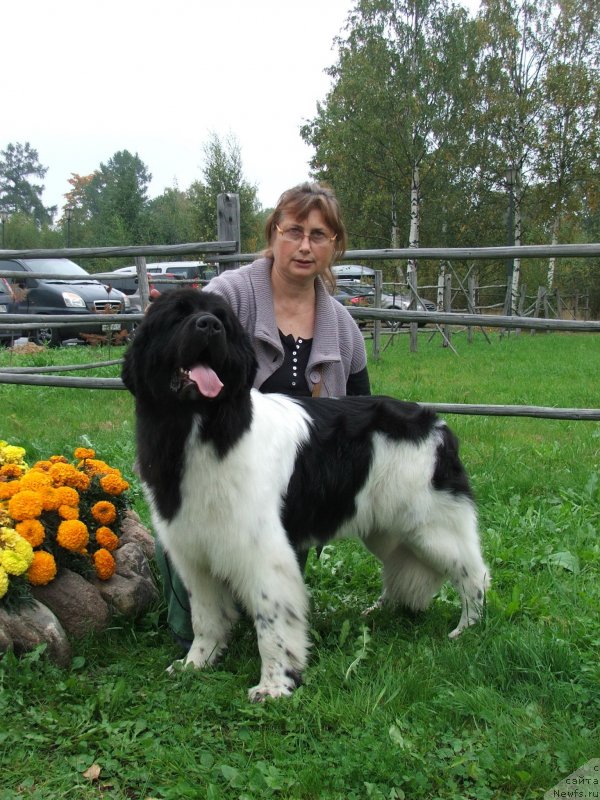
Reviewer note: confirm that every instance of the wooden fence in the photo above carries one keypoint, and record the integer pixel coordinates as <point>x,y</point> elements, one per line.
<point>223,254</point>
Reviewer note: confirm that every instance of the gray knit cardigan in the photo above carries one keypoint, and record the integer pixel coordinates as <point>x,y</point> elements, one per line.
<point>338,348</point>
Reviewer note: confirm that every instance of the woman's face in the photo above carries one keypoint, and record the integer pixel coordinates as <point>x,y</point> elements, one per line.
<point>295,255</point>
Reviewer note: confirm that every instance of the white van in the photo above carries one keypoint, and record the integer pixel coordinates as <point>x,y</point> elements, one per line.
<point>354,273</point>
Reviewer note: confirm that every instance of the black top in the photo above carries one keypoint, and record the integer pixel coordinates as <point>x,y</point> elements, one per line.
<point>290,377</point>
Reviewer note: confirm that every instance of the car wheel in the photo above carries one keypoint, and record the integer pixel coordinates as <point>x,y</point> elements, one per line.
<point>46,337</point>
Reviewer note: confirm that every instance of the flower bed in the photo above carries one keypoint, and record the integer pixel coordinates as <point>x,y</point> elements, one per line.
<point>62,523</point>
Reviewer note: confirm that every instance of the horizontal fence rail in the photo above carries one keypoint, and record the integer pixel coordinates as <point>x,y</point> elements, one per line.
<point>452,253</point>
<point>472,409</point>
<point>223,253</point>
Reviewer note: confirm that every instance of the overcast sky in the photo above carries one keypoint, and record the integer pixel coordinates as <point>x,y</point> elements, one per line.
<point>83,79</point>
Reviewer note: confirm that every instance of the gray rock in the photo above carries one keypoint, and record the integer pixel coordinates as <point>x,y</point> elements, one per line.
<point>129,596</point>
<point>76,602</point>
<point>33,625</point>
<point>132,530</point>
<point>130,560</point>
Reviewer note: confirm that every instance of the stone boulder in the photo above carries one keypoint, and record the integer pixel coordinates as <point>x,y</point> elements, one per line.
<point>32,625</point>
<point>76,602</point>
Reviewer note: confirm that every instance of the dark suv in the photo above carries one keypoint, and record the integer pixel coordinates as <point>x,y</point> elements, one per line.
<point>77,294</point>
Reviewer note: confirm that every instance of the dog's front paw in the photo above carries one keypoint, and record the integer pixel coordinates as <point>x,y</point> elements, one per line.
<point>258,694</point>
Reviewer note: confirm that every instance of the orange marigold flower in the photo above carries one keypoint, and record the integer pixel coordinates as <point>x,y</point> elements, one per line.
<point>104,512</point>
<point>42,569</point>
<point>61,472</point>
<point>113,484</point>
<point>11,471</point>
<point>58,460</point>
<point>68,512</point>
<point>84,452</point>
<point>36,480</point>
<point>72,535</point>
<point>79,481</point>
<point>67,496</point>
<point>50,499</point>
<point>32,531</point>
<point>106,538</point>
<point>43,465</point>
<point>25,505</point>
<point>8,489</point>
<point>104,564</point>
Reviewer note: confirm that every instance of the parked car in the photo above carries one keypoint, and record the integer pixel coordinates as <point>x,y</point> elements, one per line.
<point>355,295</point>
<point>182,270</point>
<point>127,283</point>
<point>78,295</point>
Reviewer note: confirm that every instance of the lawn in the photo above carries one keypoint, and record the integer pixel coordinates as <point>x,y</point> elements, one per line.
<point>390,707</point>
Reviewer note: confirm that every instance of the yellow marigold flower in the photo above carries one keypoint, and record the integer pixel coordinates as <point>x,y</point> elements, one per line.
<point>106,538</point>
<point>25,505</point>
<point>84,452</point>
<point>8,489</point>
<point>24,549</point>
<point>3,582</point>
<point>104,564</point>
<point>8,536</point>
<point>104,512</point>
<point>50,499</point>
<point>67,496</point>
<point>72,535</point>
<point>5,520</point>
<point>13,563</point>
<point>32,531</point>
<point>35,480</point>
<point>42,569</point>
<point>12,454</point>
<point>11,471</point>
<point>44,466</point>
<point>113,484</point>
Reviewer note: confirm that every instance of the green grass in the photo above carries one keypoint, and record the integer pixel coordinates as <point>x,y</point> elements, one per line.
<point>390,708</point>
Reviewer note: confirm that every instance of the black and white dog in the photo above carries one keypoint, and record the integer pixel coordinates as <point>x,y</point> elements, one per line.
<point>239,482</point>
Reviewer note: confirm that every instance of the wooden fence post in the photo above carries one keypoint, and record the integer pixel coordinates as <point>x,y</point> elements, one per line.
<point>447,307</point>
<point>142,276</point>
<point>228,223</point>
<point>378,277</point>
<point>472,293</point>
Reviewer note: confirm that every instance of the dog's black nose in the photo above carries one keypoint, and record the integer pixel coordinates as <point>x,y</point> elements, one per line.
<point>209,324</point>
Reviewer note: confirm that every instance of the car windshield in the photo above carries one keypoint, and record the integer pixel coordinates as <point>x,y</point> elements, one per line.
<point>55,266</point>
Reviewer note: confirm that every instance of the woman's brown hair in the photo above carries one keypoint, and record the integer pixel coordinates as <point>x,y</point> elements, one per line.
<point>298,202</point>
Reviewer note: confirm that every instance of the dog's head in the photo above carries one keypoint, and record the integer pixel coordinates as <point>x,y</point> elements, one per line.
<point>189,348</point>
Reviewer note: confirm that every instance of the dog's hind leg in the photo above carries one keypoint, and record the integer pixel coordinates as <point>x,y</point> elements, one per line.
<point>213,614</point>
<point>409,581</point>
<point>449,544</point>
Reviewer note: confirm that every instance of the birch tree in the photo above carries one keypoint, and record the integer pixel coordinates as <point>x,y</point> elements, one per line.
<point>570,126</point>
<point>519,37</point>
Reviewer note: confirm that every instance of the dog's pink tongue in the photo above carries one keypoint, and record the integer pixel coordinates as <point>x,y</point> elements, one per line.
<point>207,381</point>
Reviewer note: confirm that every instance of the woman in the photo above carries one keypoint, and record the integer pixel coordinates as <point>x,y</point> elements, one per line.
<point>306,343</point>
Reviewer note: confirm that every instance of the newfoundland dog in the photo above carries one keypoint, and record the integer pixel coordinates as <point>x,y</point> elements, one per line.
<point>240,482</point>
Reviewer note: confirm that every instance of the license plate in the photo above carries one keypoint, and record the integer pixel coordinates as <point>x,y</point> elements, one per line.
<point>113,326</point>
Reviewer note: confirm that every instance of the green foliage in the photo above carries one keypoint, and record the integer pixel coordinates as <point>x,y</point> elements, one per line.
<point>19,163</point>
<point>390,708</point>
<point>223,173</point>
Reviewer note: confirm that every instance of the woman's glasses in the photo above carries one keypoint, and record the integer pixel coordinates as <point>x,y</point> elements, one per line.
<point>296,234</point>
